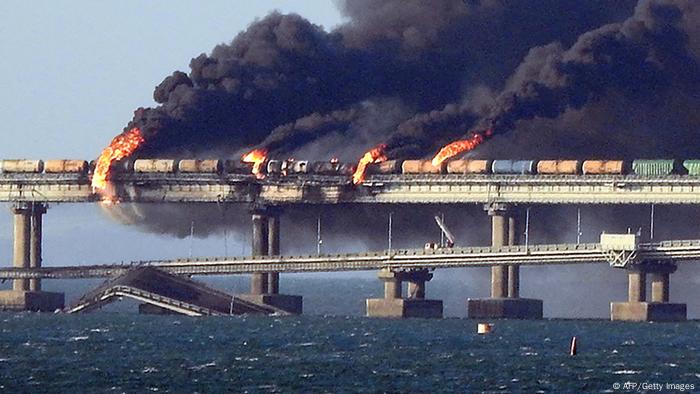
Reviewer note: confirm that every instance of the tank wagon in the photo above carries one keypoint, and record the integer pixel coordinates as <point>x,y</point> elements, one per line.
<point>281,168</point>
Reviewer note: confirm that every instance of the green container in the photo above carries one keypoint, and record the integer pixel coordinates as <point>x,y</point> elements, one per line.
<point>693,167</point>
<point>654,167</point>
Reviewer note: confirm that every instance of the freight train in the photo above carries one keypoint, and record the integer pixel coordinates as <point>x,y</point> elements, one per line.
<point>281,168</point>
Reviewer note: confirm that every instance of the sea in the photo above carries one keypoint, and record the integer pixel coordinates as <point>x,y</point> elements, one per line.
<point>330,350</point>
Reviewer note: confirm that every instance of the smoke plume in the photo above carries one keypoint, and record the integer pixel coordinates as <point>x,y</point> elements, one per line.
<point>602,78</point>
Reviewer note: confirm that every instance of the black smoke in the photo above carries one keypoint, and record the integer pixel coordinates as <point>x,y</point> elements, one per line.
<point>421,55</point>
<point>603,78</point>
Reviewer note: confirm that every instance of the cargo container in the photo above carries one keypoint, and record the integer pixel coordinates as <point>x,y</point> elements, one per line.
<point>656,167</point>
<point>155,166</point>
<point>514,167</point>
<point>692,166</point>
<point>209,166</point>
<point>422,167</point>
<point>568,167</point>
<point>468,166</point>
<point>66,166</point>
<point>385,167</point>
<point>604,167</point>
<point>23,166</point>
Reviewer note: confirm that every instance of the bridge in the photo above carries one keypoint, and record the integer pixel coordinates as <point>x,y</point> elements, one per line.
<point>377,189</point>
<point>667,252</point>
<point>160,292</point>
<point>503,197</point>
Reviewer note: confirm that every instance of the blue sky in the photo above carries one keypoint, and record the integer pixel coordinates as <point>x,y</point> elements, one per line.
<point>71,75</point>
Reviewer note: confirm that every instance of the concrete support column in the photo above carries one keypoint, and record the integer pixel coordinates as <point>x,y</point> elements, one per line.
<point>392,289</point>
<point>393,285</point>
<point>37,212</point>
<point>637,291</point>
<point>638,308</point>
<point>258,281</point>
<point>273,242</point>
<point>499,237</point>
<point>395,305</point>
<point>22,239</point>
<point>513,270</point>
<point>660,286</point>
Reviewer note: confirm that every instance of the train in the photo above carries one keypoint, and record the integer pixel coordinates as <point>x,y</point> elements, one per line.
<point>283,168</point>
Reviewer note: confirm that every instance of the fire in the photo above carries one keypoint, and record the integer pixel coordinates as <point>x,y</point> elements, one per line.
<point>122,146</point>
<point>257,157</point>
<point>457,147</point>
<point>376,155</point>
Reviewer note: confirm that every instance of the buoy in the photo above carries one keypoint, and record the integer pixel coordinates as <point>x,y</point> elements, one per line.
<point>574,347</point>
<point>483,328</point>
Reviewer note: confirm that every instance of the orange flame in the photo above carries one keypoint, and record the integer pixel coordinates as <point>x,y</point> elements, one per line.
<point>257,157</point>
<point>376,155</point>
<point>453,149</point>
<point>122,146</point>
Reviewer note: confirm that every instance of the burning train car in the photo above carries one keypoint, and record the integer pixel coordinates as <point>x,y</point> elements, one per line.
<point>298,168</point>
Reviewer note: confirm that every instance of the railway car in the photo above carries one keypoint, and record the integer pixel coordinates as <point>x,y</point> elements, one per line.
<point>469,166</point>
<point>125,166</point>
<point>21,166</point>
<point>66,166</point>
<point>207,166</point>
<point>346,169</point>
<point>155,166</point>
<point>298,167</point>
<point>237,167</point>
<point>604,167</point>
<point>277,167</point>
<point>385,167</point>
<point>692,167</point>
<point>559,167</point>
<point>422,167</point>
<point>657,167</point>
<point>514,167</point>
<point>324,167</point>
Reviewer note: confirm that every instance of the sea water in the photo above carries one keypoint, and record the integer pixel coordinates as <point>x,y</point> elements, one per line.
<point>126,352</point>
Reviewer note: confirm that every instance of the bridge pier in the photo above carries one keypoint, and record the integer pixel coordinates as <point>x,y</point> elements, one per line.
<point>26,294</point>
<point>395,305</point>
<point>264,287</point>
<point>637,308</point>
<point>505,301</point>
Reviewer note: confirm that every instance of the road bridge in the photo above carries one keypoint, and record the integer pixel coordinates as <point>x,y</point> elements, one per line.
<point>667,252</point>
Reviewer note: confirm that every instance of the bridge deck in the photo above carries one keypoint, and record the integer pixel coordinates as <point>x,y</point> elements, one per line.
<point>171,292</point>
<point>676,251</point>
<point>382,189</point>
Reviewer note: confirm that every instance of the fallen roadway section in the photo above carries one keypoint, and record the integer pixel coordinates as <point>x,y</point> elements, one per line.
<point>556,254</point>
<point>163,293</point>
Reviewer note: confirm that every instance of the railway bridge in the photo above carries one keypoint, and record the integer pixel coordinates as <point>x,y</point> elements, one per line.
<point>503,196</point>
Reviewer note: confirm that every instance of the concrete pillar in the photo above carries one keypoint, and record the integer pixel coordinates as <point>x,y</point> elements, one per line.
<point>499,237</point>
<point>273,242</point>
<point>392,289</point>
<point>660,286</point>
<point>21,246</point>
<point>258,281</point>
<point>637,291</point>
<point>37,212</point>
<point>513,270</point>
